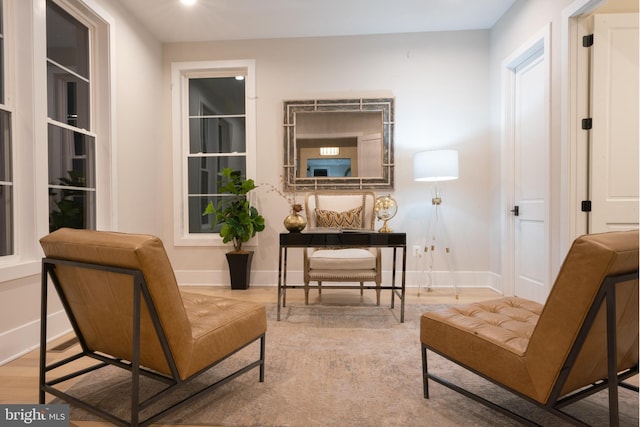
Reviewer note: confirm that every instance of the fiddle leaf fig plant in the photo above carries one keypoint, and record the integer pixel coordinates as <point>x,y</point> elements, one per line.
<point>240,221</point>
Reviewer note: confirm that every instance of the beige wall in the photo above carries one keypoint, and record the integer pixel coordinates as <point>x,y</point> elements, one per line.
<point>440,83</point>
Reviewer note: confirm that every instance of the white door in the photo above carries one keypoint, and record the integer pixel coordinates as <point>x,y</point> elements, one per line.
<point>527,188</point>
<point>613,172</point>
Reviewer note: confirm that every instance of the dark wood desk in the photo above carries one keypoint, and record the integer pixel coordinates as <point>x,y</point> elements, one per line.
<point>339,239</point>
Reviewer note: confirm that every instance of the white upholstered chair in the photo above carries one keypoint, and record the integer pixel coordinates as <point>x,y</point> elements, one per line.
<point>347,210</point>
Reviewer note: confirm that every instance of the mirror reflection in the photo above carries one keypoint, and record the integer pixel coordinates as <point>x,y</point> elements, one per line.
<point>342,144</point>
<point>335,144</point>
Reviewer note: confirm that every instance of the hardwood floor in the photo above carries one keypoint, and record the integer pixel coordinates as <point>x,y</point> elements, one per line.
<point>19,378</point>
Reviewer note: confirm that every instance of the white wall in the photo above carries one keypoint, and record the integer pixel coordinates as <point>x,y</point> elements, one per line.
<point>441,85</point>
<point>514,29</point>
<point>140,145</point>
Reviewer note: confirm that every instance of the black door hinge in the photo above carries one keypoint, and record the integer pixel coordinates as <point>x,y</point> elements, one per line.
<point>587,41</point>
<point>587,123</point>
<point>586,206</point>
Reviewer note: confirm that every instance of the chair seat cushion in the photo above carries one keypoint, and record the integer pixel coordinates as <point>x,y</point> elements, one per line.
<point>342,259</point>
<point>219,326</point>
<point>506,322</point>
<point>490,337</point>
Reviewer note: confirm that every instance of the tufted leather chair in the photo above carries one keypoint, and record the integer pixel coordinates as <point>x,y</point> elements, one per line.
<point>546,353</point>
<point>344,209</point>
<point>106,280</point>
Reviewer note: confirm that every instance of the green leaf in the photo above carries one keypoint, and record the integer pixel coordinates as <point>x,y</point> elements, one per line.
<point>240,221</point>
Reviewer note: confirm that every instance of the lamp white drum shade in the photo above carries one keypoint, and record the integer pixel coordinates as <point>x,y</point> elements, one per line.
<point>435,165</point>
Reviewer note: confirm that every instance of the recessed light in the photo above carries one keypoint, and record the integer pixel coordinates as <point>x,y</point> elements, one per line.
<point>329,151</point>
<point>188,2</point>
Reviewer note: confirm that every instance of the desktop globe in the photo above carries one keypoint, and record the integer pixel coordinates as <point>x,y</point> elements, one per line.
<point>385,208</point>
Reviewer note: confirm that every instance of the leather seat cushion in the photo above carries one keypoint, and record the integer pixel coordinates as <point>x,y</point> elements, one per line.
<point>342,259</point>
<point>220,326</point>
<point>506,322</point>
<point>490,337</point>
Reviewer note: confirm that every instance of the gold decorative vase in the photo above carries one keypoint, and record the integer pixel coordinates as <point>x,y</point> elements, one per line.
<point>295,222</point>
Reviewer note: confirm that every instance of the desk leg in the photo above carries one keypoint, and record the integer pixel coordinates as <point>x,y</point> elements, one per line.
<point>404,277</point>
<point>284,279</point>
<point>279,280</point>
<point>393,279</point>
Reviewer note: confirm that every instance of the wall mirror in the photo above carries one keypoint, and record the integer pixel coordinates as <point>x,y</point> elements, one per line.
<point>338,144</point>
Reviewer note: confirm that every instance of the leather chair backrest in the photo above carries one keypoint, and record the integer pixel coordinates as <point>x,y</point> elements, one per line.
<point>590,259</point>
<point>102,302</point>
<point>340,201</point>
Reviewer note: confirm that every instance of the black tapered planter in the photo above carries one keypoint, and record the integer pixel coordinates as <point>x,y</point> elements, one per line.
<point>240,269</point>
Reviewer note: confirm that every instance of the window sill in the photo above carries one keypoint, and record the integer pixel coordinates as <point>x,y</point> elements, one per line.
<point>207,240</point>
<point>19,270</point>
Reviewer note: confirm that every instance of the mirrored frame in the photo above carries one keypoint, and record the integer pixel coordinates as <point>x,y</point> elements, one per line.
<point>296,109</point>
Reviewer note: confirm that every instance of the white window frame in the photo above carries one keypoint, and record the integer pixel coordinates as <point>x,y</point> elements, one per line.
<point>180,74</point>
<point>9,39</point>
<point>24,94</point>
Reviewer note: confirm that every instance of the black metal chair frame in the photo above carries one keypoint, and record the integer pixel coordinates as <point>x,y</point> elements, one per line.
<point>140,292</point>
<point>607,295</point>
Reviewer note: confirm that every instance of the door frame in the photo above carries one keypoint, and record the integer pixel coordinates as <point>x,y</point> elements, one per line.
<point>574,107</point>
<point>541,39</point>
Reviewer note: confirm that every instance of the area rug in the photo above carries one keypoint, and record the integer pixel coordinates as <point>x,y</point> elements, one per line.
<point>329,365</point>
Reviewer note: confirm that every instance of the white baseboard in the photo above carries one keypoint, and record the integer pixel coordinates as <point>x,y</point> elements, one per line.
<point>18,341</point>
<point>413,279</point>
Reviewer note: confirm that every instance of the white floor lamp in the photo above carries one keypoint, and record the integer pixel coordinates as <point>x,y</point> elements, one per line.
<point>435,166</point>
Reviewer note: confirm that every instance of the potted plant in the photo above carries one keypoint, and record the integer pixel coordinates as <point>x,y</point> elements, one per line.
<point>240,222</point>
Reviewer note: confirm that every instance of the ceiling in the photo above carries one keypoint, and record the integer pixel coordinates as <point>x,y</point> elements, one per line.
<point>208,20</point>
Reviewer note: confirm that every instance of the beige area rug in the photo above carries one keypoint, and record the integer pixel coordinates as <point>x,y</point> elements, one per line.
<point>343,366</point>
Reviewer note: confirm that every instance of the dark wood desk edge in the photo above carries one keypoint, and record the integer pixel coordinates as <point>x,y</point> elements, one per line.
<point>333,239</point>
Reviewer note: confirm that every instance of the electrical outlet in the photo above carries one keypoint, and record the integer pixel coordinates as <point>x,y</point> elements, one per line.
<point>416,250</point>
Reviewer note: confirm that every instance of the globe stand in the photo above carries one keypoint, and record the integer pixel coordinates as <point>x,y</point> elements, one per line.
<point>385,228</point>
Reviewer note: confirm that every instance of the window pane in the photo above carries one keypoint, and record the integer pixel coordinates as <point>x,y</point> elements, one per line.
<point>6,190</point>
<point>6,220</point>
<point>68,97</point>
<point>217,135</point>
<point>67,40</point>
<point>197,222</point>
<point>5,146</point>
<point>217,140</point>
<point>216,96</point>
<point>203,172</point>
<point>71,208</point>
<point>6,159</point>
<point>71,158</point>
<point>1,67</point>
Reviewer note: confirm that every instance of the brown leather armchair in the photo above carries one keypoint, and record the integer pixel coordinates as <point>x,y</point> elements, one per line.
<point>121,296</point>
<point>347,210</point>
<point>584,339</point>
